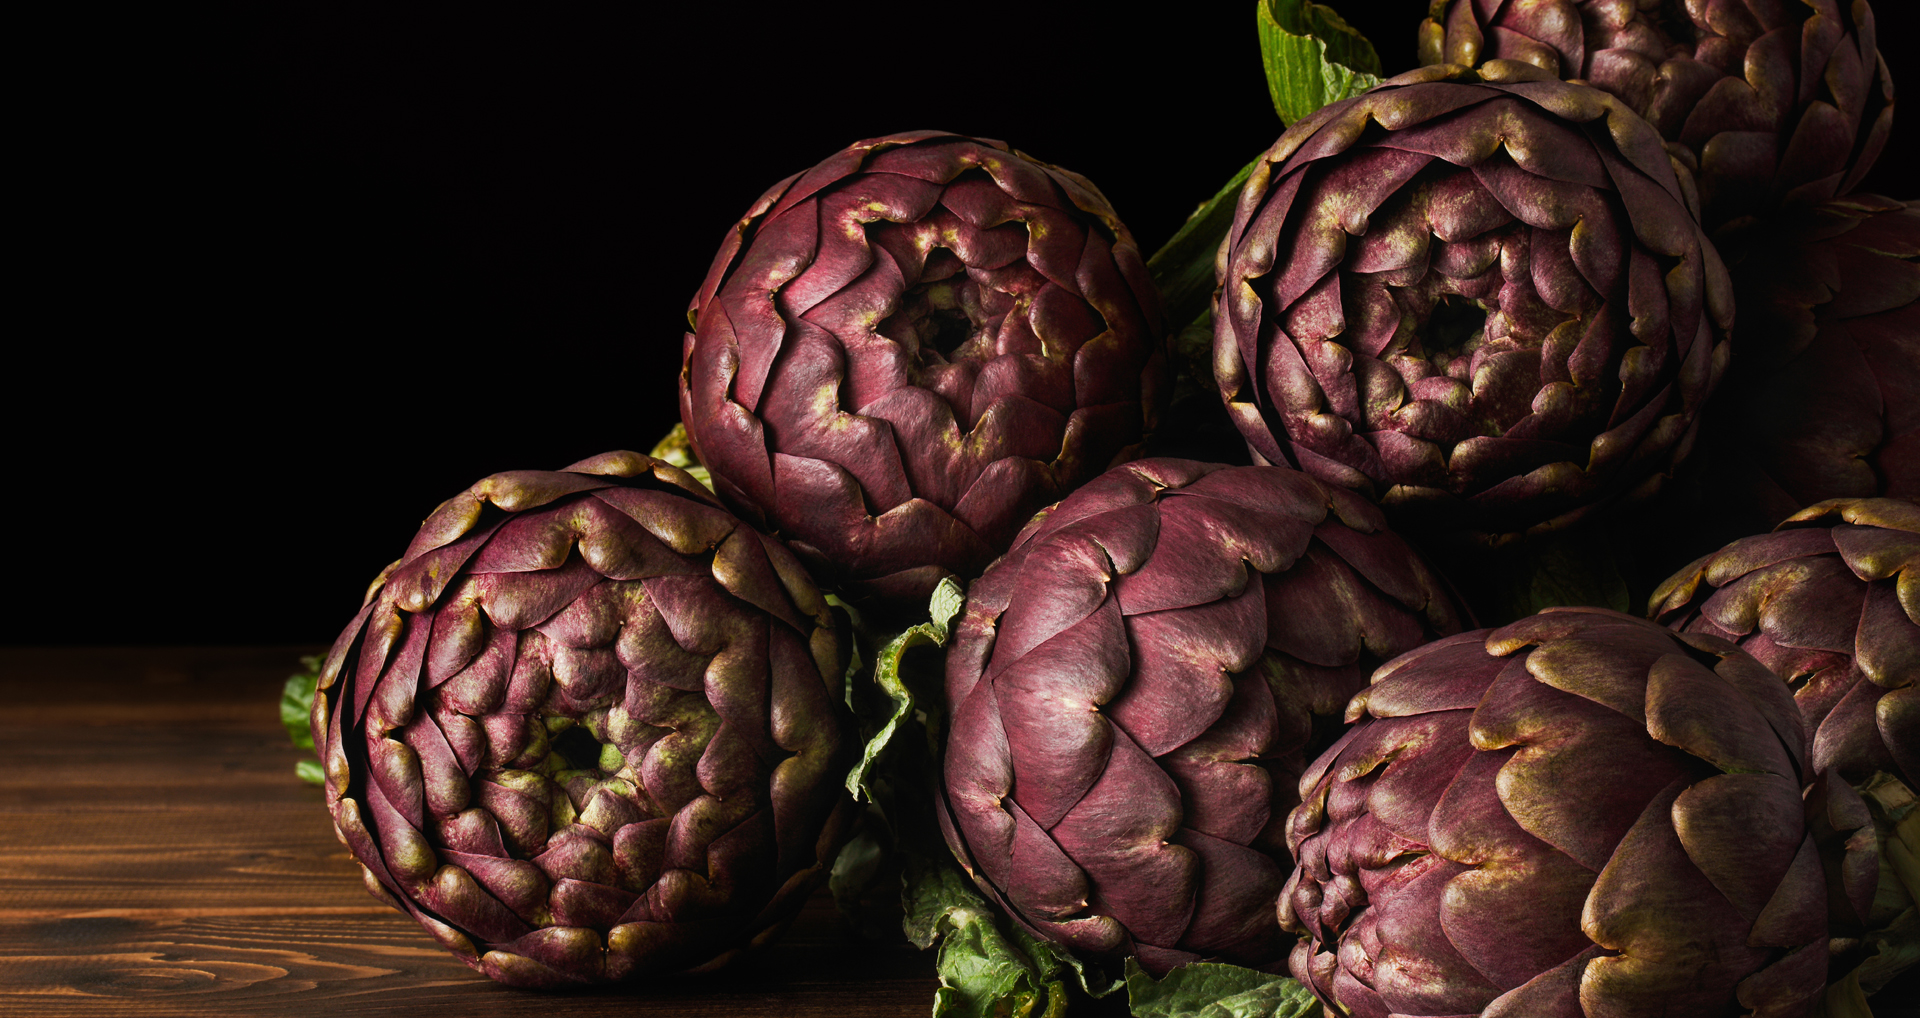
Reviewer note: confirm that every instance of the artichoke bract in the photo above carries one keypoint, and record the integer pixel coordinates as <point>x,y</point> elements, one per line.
<point>1483,303</point>
<point>1769,101</point>
<point>1824,399</point>
<point>589,726</point>
<point>1831,602</point>
<point>1134,689</point>
<point>903,352</point>
<point>1578,814</point>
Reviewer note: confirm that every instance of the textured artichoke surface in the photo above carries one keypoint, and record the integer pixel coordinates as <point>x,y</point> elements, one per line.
<point>590,726</point>
<point>1482,302</point>
<point>1831,602</point>
<point>1577,814</point>
<point>1133,691</point>
<point>1823,400</point>
<point>1767,100</point>
<point>902,353</point>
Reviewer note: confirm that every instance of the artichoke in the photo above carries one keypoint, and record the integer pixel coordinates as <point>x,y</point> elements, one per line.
<point>589,726</point>
<point>1134,688</point>
<point>902,353</point>
<point>1824,400</point>
<point>1484,304</point>
<point>1577,814</point>
<point>1767,100</point>
<point>1831,602</point>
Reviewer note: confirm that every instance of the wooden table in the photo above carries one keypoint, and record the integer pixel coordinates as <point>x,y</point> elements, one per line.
<point>157,855</point>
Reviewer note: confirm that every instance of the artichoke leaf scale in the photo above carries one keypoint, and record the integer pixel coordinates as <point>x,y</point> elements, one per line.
<point>1195,746</point>
<point>1183,668</point>
<point>1647,954</point>
<point>1026,199</point>
<point>1515,912</point>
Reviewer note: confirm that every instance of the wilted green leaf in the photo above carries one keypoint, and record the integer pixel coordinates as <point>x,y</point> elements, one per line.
<point>939,898</point>
<point>1312,57</point>
<point>855,665</point>
<point>854,867</point>
<point>1214,990</point>
<point>982,971</point>
<point>945,603</point>
<point>1057,960</point>
<point>866,879</point>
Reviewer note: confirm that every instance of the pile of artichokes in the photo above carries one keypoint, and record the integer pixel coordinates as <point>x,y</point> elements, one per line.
<point>1295,648</point>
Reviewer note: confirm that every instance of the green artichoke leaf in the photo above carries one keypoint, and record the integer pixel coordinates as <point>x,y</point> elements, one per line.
<point>897,774</point>
<point>854,867</point>
<point>982,971</point>
<point>1312,57</point>
<point>1215,990</point>
<point>676,448</point>
<point>856,664</point>
<point>1055,962</point>
<point>296,707</point>
<point>1183,267</point>
<point>942,607</point>
<point>296,702</point>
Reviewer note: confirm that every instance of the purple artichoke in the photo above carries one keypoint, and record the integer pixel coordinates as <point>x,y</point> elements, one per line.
<point>1483,303</point>
<point>902,353</point>
<point>1578,814</point>
<point>1824,400</point>
<point>1768,100</point>
<point>1831,602</point>
<point>1133,690</point>
<point>590,726</point>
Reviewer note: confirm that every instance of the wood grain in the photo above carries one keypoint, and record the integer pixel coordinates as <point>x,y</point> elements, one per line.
<point>158,856</point>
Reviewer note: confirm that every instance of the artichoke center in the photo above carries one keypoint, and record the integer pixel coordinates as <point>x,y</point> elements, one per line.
<point>1455,326</point>
<point>944,330</point>
<point>581,750</point>
<point>937,317</point>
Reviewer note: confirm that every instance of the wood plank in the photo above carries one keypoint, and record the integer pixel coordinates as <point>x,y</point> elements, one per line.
<point>177,859</point>
<point>158,856</point>
<point>157,853</point>
<point>384,965</point>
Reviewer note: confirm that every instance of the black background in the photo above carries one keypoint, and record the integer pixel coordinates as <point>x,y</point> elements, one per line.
<point>294,272</point>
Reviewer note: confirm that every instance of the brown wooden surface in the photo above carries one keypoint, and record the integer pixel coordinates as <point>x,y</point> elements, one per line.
<point>157,855</point>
